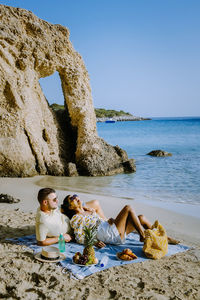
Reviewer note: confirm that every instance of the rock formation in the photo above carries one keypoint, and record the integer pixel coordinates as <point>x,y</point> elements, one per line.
<point>5,198</point>
<point>34,139</point>
<point>159,153</point>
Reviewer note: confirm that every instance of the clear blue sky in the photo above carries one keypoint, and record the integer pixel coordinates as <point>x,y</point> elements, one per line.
<point>143,56</point>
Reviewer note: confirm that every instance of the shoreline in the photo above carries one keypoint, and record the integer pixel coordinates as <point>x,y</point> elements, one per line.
<point>188,209</point>
<point>122,119</point>
<point>179,224</point>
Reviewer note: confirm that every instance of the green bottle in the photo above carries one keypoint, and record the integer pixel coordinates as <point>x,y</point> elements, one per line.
<point>61,243</point>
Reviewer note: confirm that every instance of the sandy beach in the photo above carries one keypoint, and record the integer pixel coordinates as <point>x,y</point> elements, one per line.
<point>22,277</point>
<point>62,66</point>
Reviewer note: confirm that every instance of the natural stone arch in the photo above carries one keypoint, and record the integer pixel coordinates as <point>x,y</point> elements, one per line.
<point>35,140</point>
<point>52,89</point>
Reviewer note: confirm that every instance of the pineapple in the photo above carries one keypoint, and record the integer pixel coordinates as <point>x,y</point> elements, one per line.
<point>90,240</point>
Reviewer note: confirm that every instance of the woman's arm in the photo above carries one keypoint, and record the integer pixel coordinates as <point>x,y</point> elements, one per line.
<point>100,244</point>
<point>94,204</point>
<point>88,209</point>
<point>111,221</point>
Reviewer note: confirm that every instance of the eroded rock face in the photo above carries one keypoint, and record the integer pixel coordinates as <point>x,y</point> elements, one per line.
<point>34,139</point>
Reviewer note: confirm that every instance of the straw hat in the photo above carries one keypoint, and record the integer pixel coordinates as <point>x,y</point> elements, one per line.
<point>50,254</point>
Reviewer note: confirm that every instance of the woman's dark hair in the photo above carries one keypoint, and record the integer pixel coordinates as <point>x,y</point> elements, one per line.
<point>65,208</point>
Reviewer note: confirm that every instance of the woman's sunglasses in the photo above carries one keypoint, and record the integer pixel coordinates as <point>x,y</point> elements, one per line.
<point>73,197</point>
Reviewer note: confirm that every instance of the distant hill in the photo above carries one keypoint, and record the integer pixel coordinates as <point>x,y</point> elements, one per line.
<point>56,106</point>
<point>100,112</point>
<point>110,113</point>
<point>104,114</point>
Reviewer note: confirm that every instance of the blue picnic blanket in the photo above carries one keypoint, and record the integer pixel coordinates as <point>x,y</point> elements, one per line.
<point>110,251</point>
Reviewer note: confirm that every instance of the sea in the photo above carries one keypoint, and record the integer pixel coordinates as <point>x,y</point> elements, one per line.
<point>162,181</point>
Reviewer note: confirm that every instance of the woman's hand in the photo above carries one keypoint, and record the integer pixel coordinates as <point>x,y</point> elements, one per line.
<point>100,244</point>
<point>111,221</point>
<point>67,237</point>
<point>89,209</point>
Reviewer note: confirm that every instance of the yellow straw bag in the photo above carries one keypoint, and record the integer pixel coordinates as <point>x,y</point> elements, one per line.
<point>155,242</point>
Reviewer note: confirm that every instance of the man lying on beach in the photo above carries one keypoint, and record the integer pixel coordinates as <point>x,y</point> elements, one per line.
<point>111,231</point>
<point>50,222</point>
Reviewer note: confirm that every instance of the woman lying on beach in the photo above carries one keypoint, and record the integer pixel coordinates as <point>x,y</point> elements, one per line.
<point>111,231</point>
<point>89,206</point>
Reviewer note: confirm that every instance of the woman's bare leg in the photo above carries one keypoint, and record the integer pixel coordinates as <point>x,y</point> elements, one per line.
<point>144,222</point>
<point>95,204</point>
<point>147,225</point>
<point>127,221</point>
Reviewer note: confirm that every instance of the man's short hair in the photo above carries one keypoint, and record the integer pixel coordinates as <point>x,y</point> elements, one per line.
<point>43,194</point>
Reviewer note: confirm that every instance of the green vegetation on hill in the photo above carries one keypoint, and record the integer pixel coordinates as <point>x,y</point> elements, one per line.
<point>100,112</point>
<point>56,106</point>
<point>109,113</point>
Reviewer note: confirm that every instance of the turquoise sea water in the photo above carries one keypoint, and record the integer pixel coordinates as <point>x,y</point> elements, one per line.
<point>170,179</point>
<point>165,180</point>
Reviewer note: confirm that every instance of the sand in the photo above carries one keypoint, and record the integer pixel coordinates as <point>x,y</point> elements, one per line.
<point>22,277</point>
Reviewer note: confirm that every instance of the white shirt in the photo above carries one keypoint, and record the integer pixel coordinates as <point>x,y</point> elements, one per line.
<point>50,225</point>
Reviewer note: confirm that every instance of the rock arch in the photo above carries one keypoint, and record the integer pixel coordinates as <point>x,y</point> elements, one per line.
<point>34,139</point>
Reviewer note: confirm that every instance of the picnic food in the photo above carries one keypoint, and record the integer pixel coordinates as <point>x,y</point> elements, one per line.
<point>88,256</point>
<point>90,239</point>
<point>126,254</point>
<point>82,259</point>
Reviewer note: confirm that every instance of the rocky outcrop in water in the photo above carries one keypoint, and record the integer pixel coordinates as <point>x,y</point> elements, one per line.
<point>5,198</point>
<point>34,139</point>
<point>159,153</point>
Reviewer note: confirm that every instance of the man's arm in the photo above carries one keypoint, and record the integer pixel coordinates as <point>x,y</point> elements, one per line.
<point>43,240</point>
<point>48,241</point>
<point>53,240</point>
